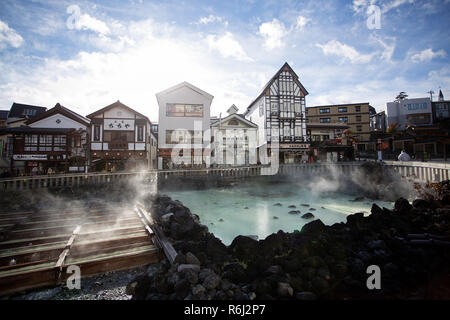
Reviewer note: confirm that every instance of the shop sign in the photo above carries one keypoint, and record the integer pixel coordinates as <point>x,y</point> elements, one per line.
<point>294,146</point>
<point>25,157</point>
<point>119,124</point>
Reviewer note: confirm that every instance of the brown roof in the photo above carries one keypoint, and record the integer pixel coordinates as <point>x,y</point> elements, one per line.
<point>285,66</point>
<point>62,110</point>
<point>116,104</point>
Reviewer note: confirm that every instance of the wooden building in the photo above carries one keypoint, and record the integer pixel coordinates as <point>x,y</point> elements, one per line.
<point>121,139</point>
<point>279,113</point>
<point>16,116</point>
<point>62,117</point>
<point>41,148</point>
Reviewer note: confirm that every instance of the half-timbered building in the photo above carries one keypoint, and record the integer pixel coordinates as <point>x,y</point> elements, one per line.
<point>279,112</point>
<point>121,139</point>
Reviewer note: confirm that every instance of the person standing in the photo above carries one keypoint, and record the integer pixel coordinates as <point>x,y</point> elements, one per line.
<point>404,156</point>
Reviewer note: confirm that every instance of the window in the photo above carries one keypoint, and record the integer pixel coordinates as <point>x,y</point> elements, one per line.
<point>184,110</point>
<point>45,143</point>
<point>342,109</point>
<point>261,110</point>
<point>325,110</point>
<point>31,141</point>
<point>96,132</point>
<point>343,119</point>
<point>417,106</point>
<point>59,143</point>
<point>286,130</point>
<point>298,131</point>
<point>358,128</point>
<point>297,107</point>
<point>140,133</point>
<point>358,108</point>
<point>358,118</point>
<point>274,107</point>
<point>325,120</point>
<point>183,137</point>
<point>29,112</point>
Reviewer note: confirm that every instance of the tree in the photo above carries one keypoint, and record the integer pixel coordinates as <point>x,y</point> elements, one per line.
<point>393,128</point>
<point>402,95</point>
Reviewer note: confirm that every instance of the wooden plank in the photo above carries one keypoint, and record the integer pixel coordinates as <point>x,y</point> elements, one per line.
<point>27,280</point>
<point>32,241</point>
<point>163,242</point>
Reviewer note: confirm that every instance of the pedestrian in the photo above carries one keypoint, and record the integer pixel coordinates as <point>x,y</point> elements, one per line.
<point>403,156</point>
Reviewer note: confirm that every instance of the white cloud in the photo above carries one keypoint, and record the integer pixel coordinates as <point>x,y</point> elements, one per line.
<point>301,22</point>
<point>388,46</point>
<point>227,46</point>
<point>427,55</point>
<point>273,32</point>
<point>359,6</point>
<point>394,4</point>
<point>86,22</point>
<point>210,19</point>
<point>164,57</point>
<point>334,47</point>
<point>9,37</point>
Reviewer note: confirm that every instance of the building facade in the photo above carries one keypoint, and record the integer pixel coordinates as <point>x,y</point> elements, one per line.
<point>184,127</point>
<point>355,115</point>
<point>17,115</point>
<point>64,118</point>
<point>121,139</point>
<point>233,140</point>
<point>279,113</point>
<point>378,122</point>
<point>41,150</point>
<point>328,142</point>
<point>416,112</point>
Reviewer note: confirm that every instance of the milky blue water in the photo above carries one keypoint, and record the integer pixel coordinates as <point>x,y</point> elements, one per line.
<point>249,209</point>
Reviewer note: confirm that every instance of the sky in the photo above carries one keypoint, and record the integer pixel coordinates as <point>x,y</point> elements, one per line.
<point>89,54</point>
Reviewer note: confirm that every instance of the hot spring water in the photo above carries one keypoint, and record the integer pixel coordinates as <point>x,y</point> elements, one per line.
<point>260,209</point>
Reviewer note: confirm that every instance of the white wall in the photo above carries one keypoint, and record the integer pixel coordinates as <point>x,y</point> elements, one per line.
<point>65,122</point>
<point>260,121</point>
<point>188,96</point>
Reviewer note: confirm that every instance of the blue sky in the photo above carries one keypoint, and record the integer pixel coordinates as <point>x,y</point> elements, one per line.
<point>88,54</point>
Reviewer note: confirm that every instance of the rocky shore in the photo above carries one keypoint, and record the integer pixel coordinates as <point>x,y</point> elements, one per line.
<point>409,243</point>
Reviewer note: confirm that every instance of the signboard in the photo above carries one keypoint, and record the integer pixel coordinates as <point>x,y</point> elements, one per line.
<point>24,157</point>
<point>294,146</point>
<point>119,124</point>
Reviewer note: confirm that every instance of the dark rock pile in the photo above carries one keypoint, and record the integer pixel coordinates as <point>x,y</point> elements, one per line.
<point>409,243</point>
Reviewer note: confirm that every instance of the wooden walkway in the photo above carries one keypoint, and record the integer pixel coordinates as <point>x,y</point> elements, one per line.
<point>36,248</point>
